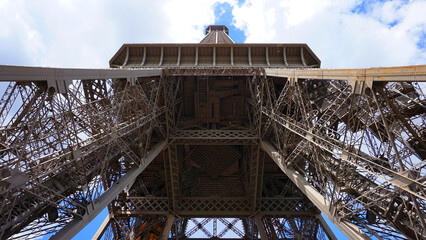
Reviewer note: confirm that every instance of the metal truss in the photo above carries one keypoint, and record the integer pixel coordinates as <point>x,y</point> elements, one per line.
<point>296,228</point>
<point>225,207</point>
<point>256,177</point>
<point>170,94</point>
<point>309,227</point>
<point>351,141</point>
<point>66,128</point>
<point>357,144</point>
<point>200,71</point>
<point>382,74</point>
<point>214,137</point>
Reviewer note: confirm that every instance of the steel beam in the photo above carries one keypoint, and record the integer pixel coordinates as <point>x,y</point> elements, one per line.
<point>214,135</point>
<point>349,229</point>
<point>167,227</point>
<point>260,227</point>
<point>213,71</point>
<point>33,74</point>
<point>326,228</point>
<point>101,229</point>
<point>224,207</point>
<point>93,209</point>
<point>415,73</point>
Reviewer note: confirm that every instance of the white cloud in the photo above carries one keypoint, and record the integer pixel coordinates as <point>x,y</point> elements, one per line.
<point>380,34</point>
<point>84,33</point>
<point>16,30</point>
<point>184,20</point>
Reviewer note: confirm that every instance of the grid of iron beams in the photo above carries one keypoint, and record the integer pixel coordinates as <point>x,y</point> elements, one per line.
<point>351,140</point>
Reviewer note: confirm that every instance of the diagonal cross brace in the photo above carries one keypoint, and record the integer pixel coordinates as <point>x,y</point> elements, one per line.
<point>75,226</point>
<point>349,229</point>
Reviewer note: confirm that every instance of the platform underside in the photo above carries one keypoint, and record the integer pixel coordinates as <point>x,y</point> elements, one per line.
<point>211,152</point>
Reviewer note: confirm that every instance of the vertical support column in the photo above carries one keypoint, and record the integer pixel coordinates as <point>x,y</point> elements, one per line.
<point>260,227</point>
<point>267,56</point>
<point>214,56</point>
<point>127,57</point>
<point>232,56</point>
<point>179,56</point>
<point>196,56</point>
<point>214,227</point>
<point>144,56</point>
<point>167,227</point>
<point>256,176</point>
<point>302,57</point>
<point>170,92</point>
<point>249,56</point>
<point>285,56</point>
<point>256,92</point>
<point>161,56</point>
<point>174,174</point>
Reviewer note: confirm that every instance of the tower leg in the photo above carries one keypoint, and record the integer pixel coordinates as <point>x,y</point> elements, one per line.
<point>349,229</point>
<point>167,227</point>
<point>326,228</point>
<point>76,225</point>
<point>101,229</point>
<point>260,227</point>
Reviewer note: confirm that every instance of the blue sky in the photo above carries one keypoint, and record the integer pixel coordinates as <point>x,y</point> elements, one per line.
<point>80,33</point>
<point>342,33</point>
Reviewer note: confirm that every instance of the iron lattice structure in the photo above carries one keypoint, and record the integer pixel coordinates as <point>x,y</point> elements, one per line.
<point>216,139</point>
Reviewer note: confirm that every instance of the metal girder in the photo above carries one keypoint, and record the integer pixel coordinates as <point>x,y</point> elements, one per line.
<point>174,175</point>
<point>210,141</point>
<point>214,134</point>
<point>256,176</point>
<point>31,74</point>
<point>322,147</point>
<point>349,229</point>
<point>170,92</point>
<point>382,130</point>
<point>211,231</point>
<point>415,73</point>
<point>326,228</point>
<point>63,150</point>
<point>93,209</point>
<point>214,137</point>
<point>260,227</point>
<point>256,87</point>
<point>212,71</point>
<point>359,160</point>
<point>225,207</point>
<point>167,227</point>
<point>102,228</point>
<point>230,226</point>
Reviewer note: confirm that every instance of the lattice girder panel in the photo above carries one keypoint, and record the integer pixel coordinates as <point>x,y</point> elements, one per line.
<point>357,139</point>
<point>210,207</point>
<point>382,162</point>
<point>308,227</point>
<point>66,130</point>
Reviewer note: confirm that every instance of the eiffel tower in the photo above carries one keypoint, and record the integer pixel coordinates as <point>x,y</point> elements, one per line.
<point>213,140</point>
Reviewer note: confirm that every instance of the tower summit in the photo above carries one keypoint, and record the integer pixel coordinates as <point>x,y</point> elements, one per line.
<point>212,140</point>
<point>217,34</point>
